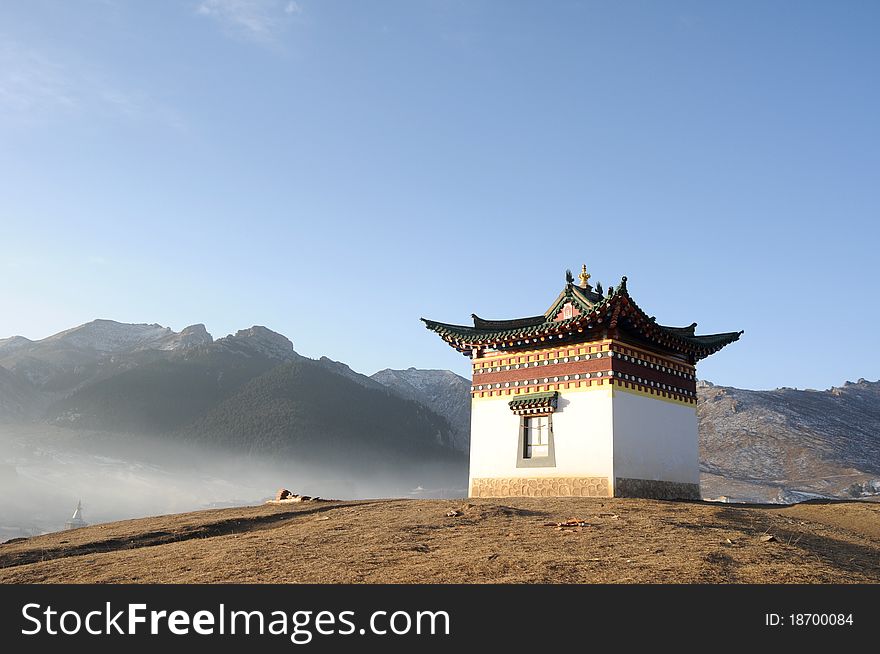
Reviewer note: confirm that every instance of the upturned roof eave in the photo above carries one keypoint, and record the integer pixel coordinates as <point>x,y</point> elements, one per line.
<point>465,338</point>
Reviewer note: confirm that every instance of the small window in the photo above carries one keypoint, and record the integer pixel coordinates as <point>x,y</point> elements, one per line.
<point>536,437</point>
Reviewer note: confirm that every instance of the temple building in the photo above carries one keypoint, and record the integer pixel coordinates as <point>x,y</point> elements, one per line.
<point>591,398</point>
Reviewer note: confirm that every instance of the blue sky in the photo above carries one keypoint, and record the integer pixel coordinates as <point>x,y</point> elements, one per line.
<point>335,170</point>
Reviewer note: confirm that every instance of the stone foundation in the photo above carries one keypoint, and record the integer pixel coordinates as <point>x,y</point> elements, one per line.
<point>653,489</point>
<point>541,487</point>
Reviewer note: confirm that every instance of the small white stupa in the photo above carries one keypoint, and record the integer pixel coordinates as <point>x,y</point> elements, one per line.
<point>76,520</point>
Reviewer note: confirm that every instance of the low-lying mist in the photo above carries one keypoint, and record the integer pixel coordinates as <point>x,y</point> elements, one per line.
<point>45,471</point>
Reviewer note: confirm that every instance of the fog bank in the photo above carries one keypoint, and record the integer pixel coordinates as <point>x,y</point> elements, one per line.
<point>45,471</point>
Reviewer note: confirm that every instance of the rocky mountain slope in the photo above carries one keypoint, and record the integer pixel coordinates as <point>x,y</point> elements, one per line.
<point>59,364</point>
<point>18,398</point>
<point>159,392</point>
<point>306,412</point>
<point>109,336</point>
<point>788,444</point>
<point>442,391</point>
<point>343,369</point>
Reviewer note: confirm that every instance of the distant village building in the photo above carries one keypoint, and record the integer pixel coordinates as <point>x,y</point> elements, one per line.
<point>591,398</point>
<point>76,520</point>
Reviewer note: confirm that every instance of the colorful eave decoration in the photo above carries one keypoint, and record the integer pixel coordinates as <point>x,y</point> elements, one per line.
<point>534,403</point>
<point>599,317</point>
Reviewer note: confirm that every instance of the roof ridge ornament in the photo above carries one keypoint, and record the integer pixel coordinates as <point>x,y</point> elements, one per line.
<point>585,278</point>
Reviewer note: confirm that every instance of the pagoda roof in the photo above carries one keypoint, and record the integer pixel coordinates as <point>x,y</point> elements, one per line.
<point>616,309</point>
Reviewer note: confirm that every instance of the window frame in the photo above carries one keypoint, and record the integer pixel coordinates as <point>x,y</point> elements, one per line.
<point>524,458</point>
<point>537,425</point>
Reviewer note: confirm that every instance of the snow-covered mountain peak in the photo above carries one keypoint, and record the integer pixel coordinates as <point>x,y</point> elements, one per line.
<point>110,336</point>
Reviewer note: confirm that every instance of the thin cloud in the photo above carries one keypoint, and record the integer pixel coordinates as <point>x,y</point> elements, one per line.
<point>31,82</point>
<point>261,21</point>
<point>35,86</point>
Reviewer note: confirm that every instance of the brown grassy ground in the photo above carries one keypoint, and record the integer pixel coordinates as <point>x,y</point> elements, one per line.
<point>507,540</point>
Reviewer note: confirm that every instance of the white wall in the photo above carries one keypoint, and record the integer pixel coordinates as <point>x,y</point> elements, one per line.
<point>581,434</point>
<point>654,439</point>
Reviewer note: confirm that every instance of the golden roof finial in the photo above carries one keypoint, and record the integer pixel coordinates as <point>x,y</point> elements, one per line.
<point>584,276</point>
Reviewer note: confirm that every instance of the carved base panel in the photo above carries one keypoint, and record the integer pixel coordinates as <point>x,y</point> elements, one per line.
<point>657,490</point>
<point>541,487</point>
<point>582,487</point>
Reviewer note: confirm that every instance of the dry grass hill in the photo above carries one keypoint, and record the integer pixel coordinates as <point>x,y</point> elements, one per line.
<point>513,540</point>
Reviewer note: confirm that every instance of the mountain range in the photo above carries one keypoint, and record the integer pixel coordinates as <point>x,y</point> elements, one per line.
<point>251,394</point>
<point>140,419</point>
<point>248,392</point>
